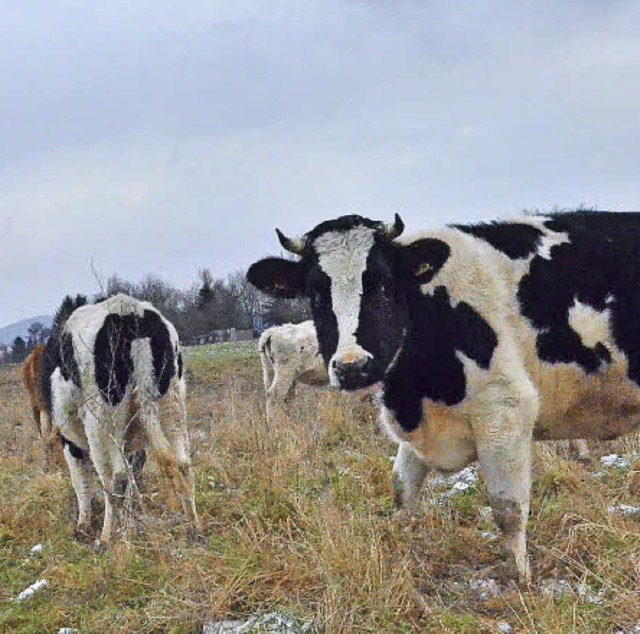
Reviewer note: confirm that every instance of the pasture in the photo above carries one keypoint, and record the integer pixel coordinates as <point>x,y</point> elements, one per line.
<point>298,519</point>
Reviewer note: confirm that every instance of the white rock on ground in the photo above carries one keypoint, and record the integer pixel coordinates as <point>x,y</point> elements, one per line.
<point>485,588</point>
<point>624,509</point>
<point>504,628</point>
<point>555,587</point>
<point>634,630</point>
<point>589,596</point>
<point>273,623</point>
<point>458,482</point>
<point>37,549</point>
<point>27,593</point>
<point>616,461</point>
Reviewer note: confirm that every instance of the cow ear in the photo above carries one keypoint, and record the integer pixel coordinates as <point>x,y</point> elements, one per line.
<point>423,258</point>
<point>277,277</point>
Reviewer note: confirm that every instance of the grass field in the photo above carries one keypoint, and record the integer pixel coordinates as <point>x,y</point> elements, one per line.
<point>298,519</point>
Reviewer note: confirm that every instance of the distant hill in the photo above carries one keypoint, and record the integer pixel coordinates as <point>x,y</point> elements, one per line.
<point>20,328</point>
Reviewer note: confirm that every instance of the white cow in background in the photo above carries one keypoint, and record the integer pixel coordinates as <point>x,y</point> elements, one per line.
<point>289,355</point>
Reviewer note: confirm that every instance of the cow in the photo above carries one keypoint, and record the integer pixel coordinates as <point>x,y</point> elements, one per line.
<point>484,337</point>
<point>289,355</point>
<point>113,384</point>
<point>31,381</point>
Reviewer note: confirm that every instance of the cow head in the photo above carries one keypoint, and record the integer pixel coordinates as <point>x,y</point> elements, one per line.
<point>359,281</point>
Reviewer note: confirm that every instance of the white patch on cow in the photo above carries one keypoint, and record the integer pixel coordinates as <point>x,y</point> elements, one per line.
<point>550,238</point>
<point>65,400</point>
<point>591,325</point>
<point>342,255</point>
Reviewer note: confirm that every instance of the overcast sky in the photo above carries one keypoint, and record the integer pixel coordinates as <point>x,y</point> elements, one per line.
<point>168,136</point>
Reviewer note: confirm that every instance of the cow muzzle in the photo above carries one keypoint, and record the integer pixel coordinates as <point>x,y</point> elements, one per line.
<point>351,372</point>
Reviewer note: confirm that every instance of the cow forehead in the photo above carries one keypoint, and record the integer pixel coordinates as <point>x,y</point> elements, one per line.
<point>342,255</point>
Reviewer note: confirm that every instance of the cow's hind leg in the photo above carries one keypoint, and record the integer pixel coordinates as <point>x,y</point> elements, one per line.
<point>168,439</point>
<point>107,452</point>
<point>409,472</point>
<point>80,470</point>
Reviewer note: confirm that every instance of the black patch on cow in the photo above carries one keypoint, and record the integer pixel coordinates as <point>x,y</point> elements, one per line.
<point>74,450</point>
<point>112,353</point>
<point>277,277</point>
<point>599,267</point>
<point>58,353</point>
<point>422,259</point>
<point>180,365</point>
<point>383,308</point>
<point>603,352</point>
<point>68,365</point>
<point>318,290</point>
<point>515,240</point>
<point>342,224</point>
<point>427,365</point>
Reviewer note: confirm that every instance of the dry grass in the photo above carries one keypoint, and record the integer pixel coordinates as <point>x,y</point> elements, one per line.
<point>298,518</point>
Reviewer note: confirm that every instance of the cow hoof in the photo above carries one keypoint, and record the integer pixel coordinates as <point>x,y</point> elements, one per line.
<point>520,575</point>
<point>82,533</point>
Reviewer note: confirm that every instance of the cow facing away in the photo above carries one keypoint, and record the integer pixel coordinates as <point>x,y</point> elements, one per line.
<point>31,380</point>
<point>289,355</point>
<point>112,380</point>
<point>485,337</point>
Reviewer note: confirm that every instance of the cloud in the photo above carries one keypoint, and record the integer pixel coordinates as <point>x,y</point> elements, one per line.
<point>163,137</point>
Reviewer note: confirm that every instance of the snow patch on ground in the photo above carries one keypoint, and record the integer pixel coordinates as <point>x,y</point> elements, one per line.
<point>616,461</point>
<point>562,587</point>
<point>27,593</point>
<point>456,483</point>
<point>273,623</point>
<point>624,509</point>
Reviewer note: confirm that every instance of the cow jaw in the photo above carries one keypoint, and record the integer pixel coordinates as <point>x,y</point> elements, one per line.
<point>342,256</point>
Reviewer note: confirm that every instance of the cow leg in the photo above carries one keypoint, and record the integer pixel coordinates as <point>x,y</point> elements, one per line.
<point>50,437</point>
<point>44,424</point>
<point>503,440</point>
<point>80,471</point>
<point>581,448</point>
<point>107,453</point>
<point>408,475</point>
<point>507,471</point>
<point>282,390</point>
<point>168,438</point>
<point>36,415</point>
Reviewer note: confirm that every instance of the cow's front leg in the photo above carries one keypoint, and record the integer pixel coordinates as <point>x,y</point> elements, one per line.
<point>504,454</point>
<point>409,472</point>
<point>507,471</point>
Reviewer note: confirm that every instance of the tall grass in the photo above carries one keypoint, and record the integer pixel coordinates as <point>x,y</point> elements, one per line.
<point>298,518</point>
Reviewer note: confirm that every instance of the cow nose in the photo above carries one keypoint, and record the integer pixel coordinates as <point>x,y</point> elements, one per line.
<point>354,374</point>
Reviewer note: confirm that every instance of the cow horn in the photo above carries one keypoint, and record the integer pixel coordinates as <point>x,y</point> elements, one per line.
<point>392,231</point>
<point>296,245</point>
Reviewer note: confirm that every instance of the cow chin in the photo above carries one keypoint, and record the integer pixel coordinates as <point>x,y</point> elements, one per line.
<point>351,373</point>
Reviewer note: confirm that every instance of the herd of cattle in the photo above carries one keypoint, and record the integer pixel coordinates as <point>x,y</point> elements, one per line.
<point>478,339</point>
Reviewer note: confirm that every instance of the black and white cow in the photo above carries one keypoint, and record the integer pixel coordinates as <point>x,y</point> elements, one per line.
<point>484,336</point>
<point>112,381</point>
<point>289,355</point>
